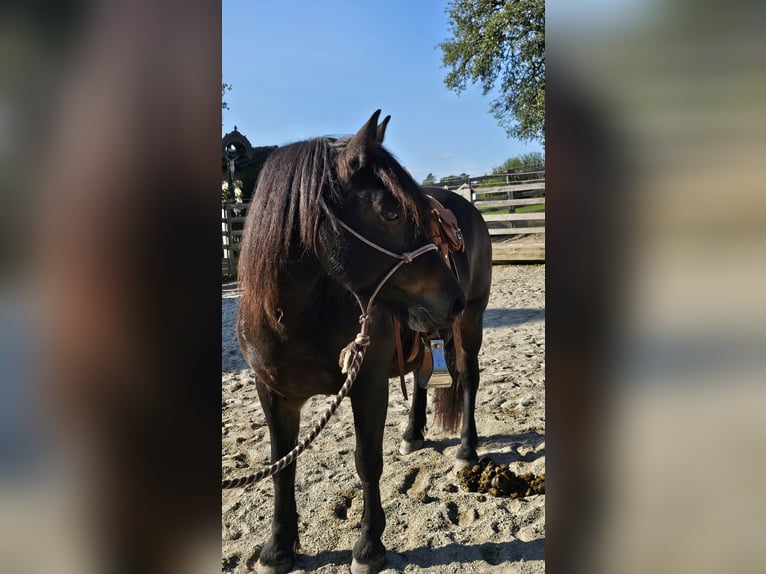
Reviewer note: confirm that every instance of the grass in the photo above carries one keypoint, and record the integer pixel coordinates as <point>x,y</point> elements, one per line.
<point>530,208</point>
<point>504,210</point>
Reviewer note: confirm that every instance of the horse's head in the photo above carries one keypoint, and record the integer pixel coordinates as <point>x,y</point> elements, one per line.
<point>379,215</point>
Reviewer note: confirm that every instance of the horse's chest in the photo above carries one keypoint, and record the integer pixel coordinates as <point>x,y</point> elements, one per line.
<point>305,369</point>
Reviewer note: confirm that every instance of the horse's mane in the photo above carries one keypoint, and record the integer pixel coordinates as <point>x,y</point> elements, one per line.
<point>296,185</point>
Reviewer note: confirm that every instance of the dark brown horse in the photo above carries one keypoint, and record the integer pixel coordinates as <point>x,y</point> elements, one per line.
<point>326,224</point>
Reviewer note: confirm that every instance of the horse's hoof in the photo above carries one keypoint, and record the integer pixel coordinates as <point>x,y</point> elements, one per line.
<point>279,568</point>
<point>409,446</point>
<point>372,568</point>
<point>460,464</point>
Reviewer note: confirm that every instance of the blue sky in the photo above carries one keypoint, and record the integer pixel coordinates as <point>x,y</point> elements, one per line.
<point>301,69</point>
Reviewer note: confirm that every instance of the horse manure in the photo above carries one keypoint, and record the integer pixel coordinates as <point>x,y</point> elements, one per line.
<point>469,478</point>
<point>498,480</point>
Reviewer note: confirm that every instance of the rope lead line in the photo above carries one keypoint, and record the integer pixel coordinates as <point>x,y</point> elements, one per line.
<point>357,348</point>
<point>360,343</point>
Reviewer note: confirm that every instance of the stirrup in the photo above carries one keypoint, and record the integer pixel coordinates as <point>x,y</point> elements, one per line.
<point>438,377</point>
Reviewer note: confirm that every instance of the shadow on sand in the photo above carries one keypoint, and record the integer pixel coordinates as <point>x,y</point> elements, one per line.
<point>493,553</point>
<point>491,444</point>
<point>511,317</point>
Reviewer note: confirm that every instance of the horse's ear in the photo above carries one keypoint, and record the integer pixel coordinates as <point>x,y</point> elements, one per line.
<point>357,150</point>
<point>382,130</point>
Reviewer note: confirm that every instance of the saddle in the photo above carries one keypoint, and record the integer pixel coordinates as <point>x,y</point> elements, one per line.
<point>445,230</point>
<point>447,236</point>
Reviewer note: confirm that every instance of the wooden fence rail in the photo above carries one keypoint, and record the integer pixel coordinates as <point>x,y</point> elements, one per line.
<point>514,210</point>
<point>517,235</point>
<point>232,223</point>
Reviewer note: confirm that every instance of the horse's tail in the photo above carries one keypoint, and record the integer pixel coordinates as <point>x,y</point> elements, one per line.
<point>448,406</point>
<point>448,401</point>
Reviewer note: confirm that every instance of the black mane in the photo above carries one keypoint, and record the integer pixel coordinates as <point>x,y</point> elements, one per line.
<point>296,186</point>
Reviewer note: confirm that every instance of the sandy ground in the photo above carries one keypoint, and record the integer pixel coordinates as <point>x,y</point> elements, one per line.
<point>432,525</point>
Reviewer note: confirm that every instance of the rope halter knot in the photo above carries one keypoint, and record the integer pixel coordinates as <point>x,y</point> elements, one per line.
<point>403,259</point>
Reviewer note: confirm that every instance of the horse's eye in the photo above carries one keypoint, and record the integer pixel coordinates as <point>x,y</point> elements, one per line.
<point>390,215</point>
<point>386,206</point>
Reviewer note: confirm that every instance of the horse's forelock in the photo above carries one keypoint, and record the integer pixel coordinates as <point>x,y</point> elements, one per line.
<point>401,185</point>
<point>389,172</point>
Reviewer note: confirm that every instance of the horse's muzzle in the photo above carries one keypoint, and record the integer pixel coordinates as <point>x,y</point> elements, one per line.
<point>458,305</point>
<point>426,320</point>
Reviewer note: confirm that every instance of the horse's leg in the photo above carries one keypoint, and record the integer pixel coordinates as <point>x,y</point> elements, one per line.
<point>467,367</point>
<point>283,418</point>
<point>412,439</point>
<point>370,407</point>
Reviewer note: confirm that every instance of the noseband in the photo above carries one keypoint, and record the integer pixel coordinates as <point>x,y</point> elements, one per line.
<point>404,258</point>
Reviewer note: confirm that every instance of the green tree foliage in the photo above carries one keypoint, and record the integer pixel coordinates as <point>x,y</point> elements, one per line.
<point>224,88</point>
<point>454,179</point>
<point>227,195</point>
<point>534,158</point>
<point>429,180</point>
<point>501,44</point>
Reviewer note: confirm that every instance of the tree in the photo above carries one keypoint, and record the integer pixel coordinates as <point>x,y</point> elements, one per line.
<point>534,158</point>
<point>224,88</point>
<point>454,179</point>
<point>429,180</point>
<point>501,42</point>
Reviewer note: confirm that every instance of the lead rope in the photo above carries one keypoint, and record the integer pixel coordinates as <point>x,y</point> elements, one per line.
<point>357,348</point>
<point>351,358</point>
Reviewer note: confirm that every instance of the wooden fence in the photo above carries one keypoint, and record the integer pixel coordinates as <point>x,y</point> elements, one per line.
<point>232,223</point>
<point>514,210</point>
